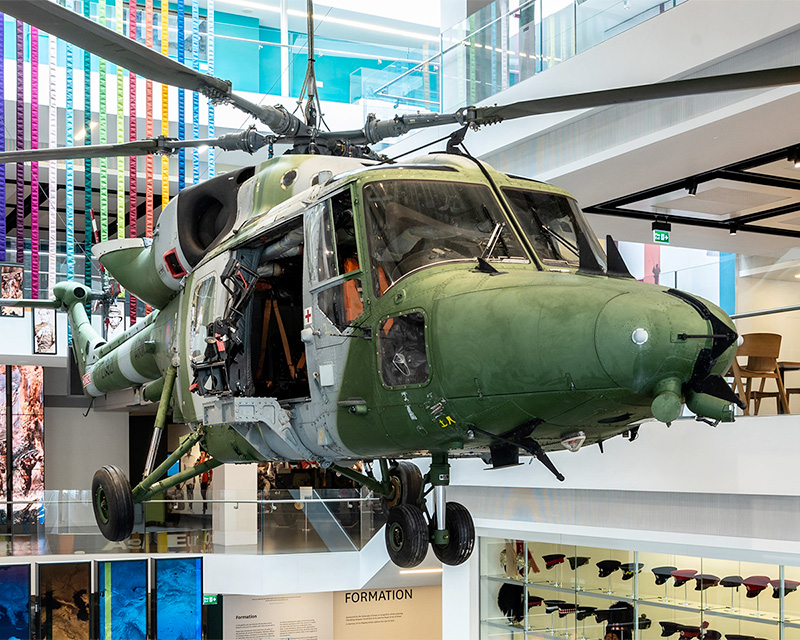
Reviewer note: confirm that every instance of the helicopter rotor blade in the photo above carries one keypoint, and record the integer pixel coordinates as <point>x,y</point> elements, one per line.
<point>759,79</point>
<point>376,130</point>
<point>90,36</point>
<point>249,140</point>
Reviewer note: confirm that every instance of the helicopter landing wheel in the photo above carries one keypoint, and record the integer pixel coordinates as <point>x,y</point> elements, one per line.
<point>458,522</point>
<point>406,478</point>
<point>406,536</point>
<point>112,500</point>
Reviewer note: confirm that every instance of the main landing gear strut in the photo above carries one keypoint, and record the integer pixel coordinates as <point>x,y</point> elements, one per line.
<point>112,496</point>
<point>409,526</point>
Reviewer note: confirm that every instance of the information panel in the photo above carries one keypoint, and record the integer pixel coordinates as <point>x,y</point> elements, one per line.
<point>64,589</point>
<point>15,593</point>
<point>122,588</point>
<point>178,595</point>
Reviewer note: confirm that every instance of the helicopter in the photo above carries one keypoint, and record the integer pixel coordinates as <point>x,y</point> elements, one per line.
<point>330,305</point>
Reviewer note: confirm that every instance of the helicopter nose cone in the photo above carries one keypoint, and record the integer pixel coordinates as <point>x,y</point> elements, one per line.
<point>638,343</point>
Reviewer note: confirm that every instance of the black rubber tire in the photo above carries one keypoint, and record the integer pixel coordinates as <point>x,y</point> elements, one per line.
<point>407,478</point>
<point>112,501</point>
<point>459,525</point>
<point>406,536</point>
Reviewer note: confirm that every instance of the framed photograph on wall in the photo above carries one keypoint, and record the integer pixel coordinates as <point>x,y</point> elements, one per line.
<point>12,288</point>
<point>116,322</point>
<point>44,331</point>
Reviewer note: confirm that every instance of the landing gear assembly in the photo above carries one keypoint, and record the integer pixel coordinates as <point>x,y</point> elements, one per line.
<point>409,526</point>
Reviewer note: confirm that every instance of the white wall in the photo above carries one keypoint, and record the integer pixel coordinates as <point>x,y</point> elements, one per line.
<point>76,446</point>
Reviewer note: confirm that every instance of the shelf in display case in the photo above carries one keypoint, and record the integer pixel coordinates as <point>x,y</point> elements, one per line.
<point>532,585</point>
<point>720,613</point>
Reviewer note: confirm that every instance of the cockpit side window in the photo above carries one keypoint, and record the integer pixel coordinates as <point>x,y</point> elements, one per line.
<point>553,224</point>
<point>417,223</point>
<point>331,234</point>
<point>202,310</point>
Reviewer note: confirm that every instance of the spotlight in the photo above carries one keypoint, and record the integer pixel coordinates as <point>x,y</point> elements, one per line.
<point>794,157</point>
<point>733,229</point>
<point>692,189</point>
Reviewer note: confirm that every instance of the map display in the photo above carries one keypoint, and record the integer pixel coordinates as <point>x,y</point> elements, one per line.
<point>179,598</point>
<point>15,590</point>
<point>64,589</point>
<point>122,587</point>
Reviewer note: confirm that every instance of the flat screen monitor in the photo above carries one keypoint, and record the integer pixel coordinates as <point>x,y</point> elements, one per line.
<point>122,599</point>
<point>64,589</point>
<point>15,594</point>
<point>178,595</point>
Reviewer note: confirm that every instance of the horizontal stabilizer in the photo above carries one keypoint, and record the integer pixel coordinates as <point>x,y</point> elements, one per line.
<point>30,302</point>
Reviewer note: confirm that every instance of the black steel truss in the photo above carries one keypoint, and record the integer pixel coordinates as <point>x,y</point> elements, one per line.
<point>741,171</point>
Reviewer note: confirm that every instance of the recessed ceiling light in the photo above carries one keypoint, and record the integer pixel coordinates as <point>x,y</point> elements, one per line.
<point>418,571</point>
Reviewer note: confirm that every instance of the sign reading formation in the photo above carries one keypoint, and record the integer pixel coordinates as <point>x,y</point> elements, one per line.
<point>368,614</point>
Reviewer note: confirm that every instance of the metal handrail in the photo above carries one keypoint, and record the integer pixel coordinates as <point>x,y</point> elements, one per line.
<point>764,312</point>
<point>458,43</point>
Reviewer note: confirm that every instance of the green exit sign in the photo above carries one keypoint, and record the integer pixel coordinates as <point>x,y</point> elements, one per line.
<point>210,599</point>
<point>660,237</point>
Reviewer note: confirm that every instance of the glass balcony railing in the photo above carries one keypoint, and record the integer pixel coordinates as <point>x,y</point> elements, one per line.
<point>278,521</point>
<point>507,42</point>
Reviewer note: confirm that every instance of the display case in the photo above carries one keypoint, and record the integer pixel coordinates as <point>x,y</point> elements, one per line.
<point>533,589</point>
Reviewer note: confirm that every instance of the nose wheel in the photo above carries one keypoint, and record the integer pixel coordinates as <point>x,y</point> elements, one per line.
<point>406,535</point>
<point>461,536</point>
<point>409,527</point>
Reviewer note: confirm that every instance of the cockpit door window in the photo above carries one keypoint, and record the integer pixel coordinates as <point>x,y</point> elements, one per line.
<point>334,262</point>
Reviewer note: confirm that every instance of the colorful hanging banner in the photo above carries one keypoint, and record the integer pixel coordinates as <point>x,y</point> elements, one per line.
<point>164,104</point>
<point>118,9</point>
<point>212,166</point>
<point>20,185</point>
<point>87,165</point>
<point>133,186</point>
<point>69,135</point>
<point>102,131</point>
<point>195,95</point>
<point>52,169</point>
<point>181,96</point>
<point>148,123</point>
<point>34,165</point>
<point>2,146</point>
<point>148,126</point>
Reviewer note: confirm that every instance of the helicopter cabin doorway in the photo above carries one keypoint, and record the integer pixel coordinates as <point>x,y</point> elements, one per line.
<point>318,248</point>
<point>278,358</point>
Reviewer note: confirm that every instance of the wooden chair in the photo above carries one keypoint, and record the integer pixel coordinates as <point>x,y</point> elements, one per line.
<point>761,351</point>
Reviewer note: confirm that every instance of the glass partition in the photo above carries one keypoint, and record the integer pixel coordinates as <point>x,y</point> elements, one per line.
<point>275,521</point>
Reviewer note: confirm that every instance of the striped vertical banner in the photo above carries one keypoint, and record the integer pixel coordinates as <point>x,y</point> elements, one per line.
<point>2,146</point>
<point>118,11</point>
<point>164,103</point>
<point>87,165</point>
<point>34,165</point>
<point>69,135</point>
<point>20,141</point>
<point>148,123</point>
<point>195,95</point>
<point>181,96</point>
<point>133,183</point>
<point>52,168</point>
<point>148,126</point>
<point>212,167</point>
<point>102,123</point>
